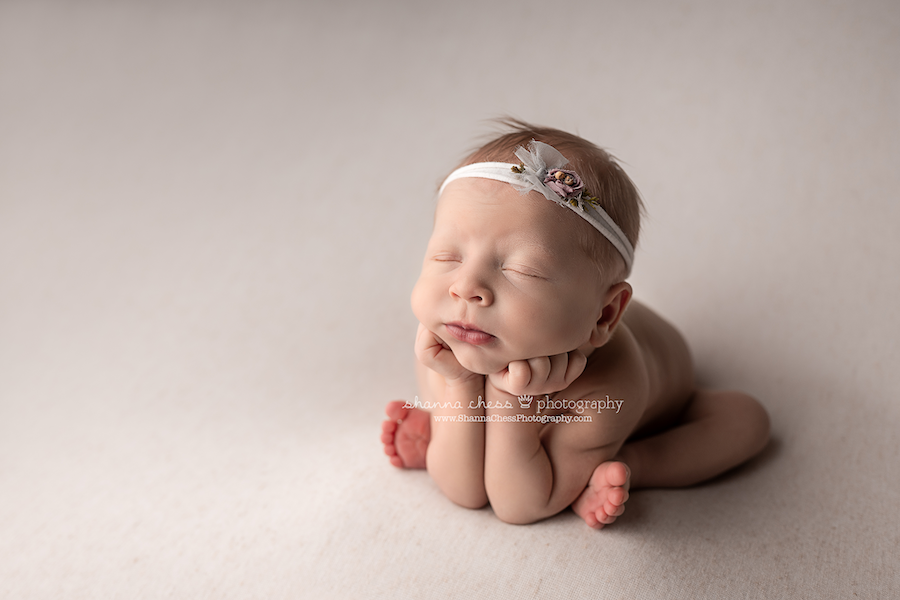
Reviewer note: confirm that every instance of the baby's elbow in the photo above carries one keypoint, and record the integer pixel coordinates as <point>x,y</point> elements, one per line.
<point>514,518</point>
<point>469,500</point>
<point>516,513</point>
<point>465,494</point>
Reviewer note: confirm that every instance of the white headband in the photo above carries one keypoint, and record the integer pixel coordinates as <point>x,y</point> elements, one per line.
<point>541,171</point>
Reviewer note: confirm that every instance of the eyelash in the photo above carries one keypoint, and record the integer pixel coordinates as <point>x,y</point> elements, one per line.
<point>523,273</point>
<point>454,258</point>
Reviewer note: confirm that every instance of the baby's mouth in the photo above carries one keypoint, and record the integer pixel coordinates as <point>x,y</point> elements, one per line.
<point>465,332</point>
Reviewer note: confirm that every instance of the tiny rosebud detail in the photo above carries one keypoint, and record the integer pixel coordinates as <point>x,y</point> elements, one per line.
<point>566,184</point>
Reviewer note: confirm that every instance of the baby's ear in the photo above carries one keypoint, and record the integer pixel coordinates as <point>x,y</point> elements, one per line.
<point>615,301</point>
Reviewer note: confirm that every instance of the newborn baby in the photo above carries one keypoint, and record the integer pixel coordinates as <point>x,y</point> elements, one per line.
<point>543,384</point>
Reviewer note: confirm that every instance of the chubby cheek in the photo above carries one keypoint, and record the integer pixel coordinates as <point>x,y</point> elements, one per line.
<point>421,302</point>
<point>556,332</point>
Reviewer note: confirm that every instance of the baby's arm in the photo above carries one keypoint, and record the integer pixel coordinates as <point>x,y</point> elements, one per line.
<point>455,457</point>
<point>535,470</point>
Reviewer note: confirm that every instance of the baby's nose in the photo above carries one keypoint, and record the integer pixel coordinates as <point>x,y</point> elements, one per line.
<point>472,288</point>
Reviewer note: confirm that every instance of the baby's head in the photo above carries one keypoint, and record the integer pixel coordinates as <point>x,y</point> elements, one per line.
<point>510,275</point>
<point>602,176</point>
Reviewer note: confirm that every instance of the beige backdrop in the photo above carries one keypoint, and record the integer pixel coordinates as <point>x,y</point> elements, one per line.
<point>212,215</point>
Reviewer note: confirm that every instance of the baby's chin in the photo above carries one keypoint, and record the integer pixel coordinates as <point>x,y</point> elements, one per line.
<point>477,360</point>
<point>483,365</point>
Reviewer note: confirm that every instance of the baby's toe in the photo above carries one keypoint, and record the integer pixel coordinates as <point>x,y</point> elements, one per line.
<point>607,518</point>
<point>617,496</point>
<point>614,510</point>
<point>395,410</point>
<point>617,474</point>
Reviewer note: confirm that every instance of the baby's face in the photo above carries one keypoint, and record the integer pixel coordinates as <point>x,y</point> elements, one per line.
<point>504,278</point>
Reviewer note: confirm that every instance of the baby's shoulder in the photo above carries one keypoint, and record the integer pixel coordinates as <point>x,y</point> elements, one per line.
<point>644,373</point>
<point>612,391</point>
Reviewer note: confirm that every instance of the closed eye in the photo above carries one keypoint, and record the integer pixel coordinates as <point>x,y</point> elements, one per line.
<point>523,271</point>
<point>445,257</point>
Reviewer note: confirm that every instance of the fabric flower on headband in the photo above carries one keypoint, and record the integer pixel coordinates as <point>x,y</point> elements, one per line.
<point>541,168</point>
<point>565,183</point>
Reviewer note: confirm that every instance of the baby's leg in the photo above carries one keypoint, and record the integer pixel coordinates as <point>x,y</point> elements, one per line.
<point>405,435</point>
<point>718,431</point>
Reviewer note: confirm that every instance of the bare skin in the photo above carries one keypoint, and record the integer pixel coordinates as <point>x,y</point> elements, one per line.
<point>405,435</point>
<point>684,436</point>
<point>509,307</point>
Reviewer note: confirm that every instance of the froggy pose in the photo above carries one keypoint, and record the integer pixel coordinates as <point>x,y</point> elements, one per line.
<point>543,385</point>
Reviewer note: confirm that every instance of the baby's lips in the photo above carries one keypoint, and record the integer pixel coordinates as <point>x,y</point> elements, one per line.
<point>468,333</point>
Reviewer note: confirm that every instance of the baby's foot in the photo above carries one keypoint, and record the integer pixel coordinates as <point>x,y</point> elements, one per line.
<point>406,435</point>
<point>604,497</point>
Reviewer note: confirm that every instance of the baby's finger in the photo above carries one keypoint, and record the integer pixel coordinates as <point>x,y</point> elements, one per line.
<point>435,354</point>
<point>577,361</point>
<point>518,376</point>
<point>558,368</point>
<point>427,345</point>
<point>540,369</point>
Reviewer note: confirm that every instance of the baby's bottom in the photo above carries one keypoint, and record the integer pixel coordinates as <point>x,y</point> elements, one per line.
<point>717,431</point>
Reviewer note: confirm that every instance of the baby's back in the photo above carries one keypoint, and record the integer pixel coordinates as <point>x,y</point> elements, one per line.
<point>667,358</point>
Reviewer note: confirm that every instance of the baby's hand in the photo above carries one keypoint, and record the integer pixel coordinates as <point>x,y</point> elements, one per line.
<point>542,375</point>
<point>437,356</point>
